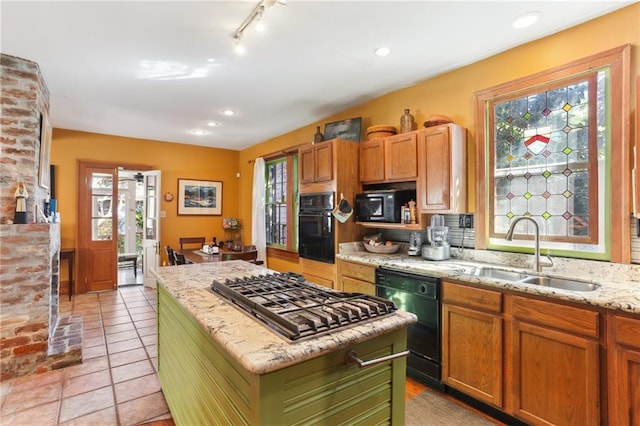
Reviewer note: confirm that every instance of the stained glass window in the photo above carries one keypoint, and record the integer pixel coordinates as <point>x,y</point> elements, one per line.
<point>547,150</point>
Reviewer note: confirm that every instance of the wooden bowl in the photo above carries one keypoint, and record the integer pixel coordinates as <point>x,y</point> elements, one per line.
<point>437,120</point>
<point>380,131</point>
<point>383,249</point>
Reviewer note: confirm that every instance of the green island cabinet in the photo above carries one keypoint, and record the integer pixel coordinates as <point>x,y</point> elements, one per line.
<point>203,384</point>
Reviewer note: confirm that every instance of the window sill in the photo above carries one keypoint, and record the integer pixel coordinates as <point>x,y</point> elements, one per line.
<point>283,254</point>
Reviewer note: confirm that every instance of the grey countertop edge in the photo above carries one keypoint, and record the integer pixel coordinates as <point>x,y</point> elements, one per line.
<point>257,348</point>
<point>614,294</point>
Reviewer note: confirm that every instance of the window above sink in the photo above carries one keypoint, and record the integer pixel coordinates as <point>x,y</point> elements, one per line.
<point>547,151</point>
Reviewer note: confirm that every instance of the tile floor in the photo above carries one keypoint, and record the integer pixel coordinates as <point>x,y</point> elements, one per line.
<point>115,385</point>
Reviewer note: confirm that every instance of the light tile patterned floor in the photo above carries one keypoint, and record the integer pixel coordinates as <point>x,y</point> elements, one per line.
<point>115,385</point>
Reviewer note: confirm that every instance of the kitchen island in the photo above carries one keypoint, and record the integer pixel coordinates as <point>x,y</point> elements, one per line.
<point>218,365</point>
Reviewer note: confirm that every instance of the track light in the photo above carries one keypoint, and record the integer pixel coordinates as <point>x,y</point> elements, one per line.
<point>255,15</point>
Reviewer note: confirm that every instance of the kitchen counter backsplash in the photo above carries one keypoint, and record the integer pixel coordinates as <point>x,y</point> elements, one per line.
<point>620,284</point>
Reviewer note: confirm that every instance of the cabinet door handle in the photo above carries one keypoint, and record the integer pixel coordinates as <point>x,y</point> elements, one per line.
<point>352,358</point>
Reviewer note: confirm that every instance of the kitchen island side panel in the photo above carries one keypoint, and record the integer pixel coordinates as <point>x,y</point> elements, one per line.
<point>203,385</point>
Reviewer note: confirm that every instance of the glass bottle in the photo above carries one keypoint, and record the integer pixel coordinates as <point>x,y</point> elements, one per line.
<point>407,122</point>
<point>318,137</point>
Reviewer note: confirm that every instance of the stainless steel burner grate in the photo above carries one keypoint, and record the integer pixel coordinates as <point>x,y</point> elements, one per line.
<point>296,309</point>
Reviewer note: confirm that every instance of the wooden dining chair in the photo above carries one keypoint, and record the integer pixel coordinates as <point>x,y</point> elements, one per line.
<point>191,240</point>
<point>170,258</point>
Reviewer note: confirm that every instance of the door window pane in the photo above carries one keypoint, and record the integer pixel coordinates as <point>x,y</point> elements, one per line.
<point>102,207</point>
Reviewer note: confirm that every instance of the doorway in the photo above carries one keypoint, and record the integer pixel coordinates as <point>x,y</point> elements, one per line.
<point>98,255</point>
<point>130,227</point>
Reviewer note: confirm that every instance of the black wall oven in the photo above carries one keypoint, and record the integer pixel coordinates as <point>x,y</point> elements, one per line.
<point>420,295</point>
<point>316,227</point>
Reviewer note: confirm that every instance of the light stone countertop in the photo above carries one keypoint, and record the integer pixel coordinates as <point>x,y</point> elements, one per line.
<point>620,284</point>
<point>257,348</point>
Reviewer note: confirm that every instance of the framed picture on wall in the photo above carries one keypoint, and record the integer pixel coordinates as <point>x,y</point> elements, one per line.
<point>199,197</point>
<point>45,151</point>
<point>345,129</point>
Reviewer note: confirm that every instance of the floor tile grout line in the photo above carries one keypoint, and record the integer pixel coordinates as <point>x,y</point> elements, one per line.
<point>106,347</point>
<point>96,305</point>
<point>99,307</point>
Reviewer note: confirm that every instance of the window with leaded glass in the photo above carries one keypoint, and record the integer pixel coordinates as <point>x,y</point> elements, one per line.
<point>280,208</point>
<point>547,157</point>
<point>553,146</point>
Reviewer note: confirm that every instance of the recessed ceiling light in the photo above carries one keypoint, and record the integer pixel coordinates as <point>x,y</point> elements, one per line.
<point>260,27</point>
<point>212,123</point>
<point>526,20</point>
<point>228,112</point>
<point>382,51</point>
<point>198,132</point>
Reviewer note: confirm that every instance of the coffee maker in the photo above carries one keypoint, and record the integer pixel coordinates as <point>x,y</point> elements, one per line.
<point>415,244</point>
<point>437,236</point>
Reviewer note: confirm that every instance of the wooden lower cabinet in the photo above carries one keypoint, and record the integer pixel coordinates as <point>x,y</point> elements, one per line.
<point>320,273</point>
<point>542,366</point>
<point>204,385</point>
<point>555,363</point>
<point>472,341</point>
<point>624,370</point>
<point>356,278</point>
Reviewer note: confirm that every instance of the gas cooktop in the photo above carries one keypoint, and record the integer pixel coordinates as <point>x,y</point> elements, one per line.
<point>297,309</point>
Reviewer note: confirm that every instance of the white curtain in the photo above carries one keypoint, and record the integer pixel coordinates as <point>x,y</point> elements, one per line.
<point>258,226</point>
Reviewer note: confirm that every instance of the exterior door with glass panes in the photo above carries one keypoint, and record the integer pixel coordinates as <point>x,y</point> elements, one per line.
<point>151,226</point>
<point>97,231</point>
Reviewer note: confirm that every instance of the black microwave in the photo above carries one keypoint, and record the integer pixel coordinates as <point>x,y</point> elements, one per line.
<point>382,205</point>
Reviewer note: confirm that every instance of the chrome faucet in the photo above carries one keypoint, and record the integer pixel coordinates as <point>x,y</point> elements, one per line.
<point>537,266</point>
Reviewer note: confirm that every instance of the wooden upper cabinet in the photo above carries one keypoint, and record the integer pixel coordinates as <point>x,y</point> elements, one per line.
<point>401,154</point>
<point>389,159</point>
<point>372,161</point>
<point>442,182</point>
<point>316,162</point>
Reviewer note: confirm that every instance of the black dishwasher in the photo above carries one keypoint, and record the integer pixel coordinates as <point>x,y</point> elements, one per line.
<point>420,295</point>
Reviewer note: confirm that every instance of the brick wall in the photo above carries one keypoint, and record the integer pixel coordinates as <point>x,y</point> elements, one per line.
<point>24,99</point>
<point>29,253</point>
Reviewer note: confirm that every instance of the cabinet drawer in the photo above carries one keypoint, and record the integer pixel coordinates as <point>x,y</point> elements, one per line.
<point>473,297</point>
<point>352,285</point>
<point>561,317</point>
<point>358,271</point>
<point>319,280</point>
<point>626,331</point>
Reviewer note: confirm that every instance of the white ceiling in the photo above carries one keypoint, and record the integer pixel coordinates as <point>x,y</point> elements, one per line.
<point>160,69</point>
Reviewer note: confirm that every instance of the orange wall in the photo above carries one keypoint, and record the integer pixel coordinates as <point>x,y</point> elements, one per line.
<point>452,93</point>
<point>174,160</point>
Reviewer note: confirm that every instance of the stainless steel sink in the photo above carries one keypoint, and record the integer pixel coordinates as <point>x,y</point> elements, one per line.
<point>561,283</point>
<point>497,273</point>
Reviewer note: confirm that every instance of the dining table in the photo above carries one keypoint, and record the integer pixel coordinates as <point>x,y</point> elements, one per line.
<point>198,256</point>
